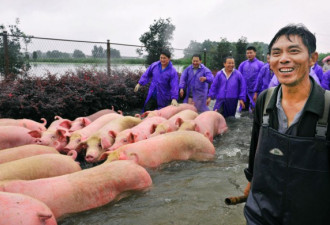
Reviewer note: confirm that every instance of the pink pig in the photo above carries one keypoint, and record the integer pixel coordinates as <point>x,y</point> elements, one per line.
<point>169,111</point>
<point>86,189</point>
<point>22,209</point>
<point>172,123</point>
<point>82,122</point>
<point>152,152</point>
<point>56,135</point>
<point>13,136</point>
<point>139,132</point>
<point>210,123</point>
<point>103,139</point>
<point>20,152</point>
<point>27,123</point>
<point>38,166</point>
<point>81,135</point>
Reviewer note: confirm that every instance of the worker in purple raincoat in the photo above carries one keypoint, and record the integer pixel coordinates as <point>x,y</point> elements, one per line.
<point>326,80</point>
<point>250,69</point>
<point>194,81</point>
<point>318,71</point>
<point>264,77</point>
<point>164,87</point>
<point>228,88</point>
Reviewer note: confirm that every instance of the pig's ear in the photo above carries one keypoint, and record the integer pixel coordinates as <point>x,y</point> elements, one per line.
<point>66,124</point>
<point>35,133</point>
<point>130,137</point>
<point>83,138</point>
<point>85,121</point>
<point>105,143</point>
<point>153,128</point>
<point>138,115</point>
<point>104,155</point>
<point>44,216</point>
<point>112,133</point>
<point>133,156</point>
<point>62,133</point>
<point>179,121</point>
<point>208,135</point>
<point>145,114</point>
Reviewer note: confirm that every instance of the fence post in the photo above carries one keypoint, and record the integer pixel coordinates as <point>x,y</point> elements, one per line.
<point>5,46</point>
<point>205,56</point>
<point>108,58</point>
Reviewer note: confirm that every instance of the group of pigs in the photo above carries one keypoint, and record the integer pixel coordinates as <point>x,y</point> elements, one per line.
<point>39,185</point>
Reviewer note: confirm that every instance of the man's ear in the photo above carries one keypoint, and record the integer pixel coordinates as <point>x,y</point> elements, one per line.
<point>313,59</point>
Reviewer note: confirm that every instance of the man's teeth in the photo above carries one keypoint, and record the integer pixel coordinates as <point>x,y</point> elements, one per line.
<point>286,70</point>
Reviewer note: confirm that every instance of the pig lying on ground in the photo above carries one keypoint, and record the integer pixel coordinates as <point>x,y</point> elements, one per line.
<point>38,166</point>
<point>86,189</point>
<point>103,139</point>
<point>81,135</point>
<point>140,132</point>
<point>11,154</point>
<point>169,111</point>
<point>13,136</point>
<point>81,122</point>
<point>26,123</point>
<point>171,124</point>
<point>152,152</point>
<point>22,209</point>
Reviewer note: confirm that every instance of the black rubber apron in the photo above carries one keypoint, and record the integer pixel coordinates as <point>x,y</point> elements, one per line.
<point>291,180</point>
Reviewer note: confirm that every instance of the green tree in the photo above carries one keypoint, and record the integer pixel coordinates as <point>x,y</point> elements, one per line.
<point>34,55</point>
<point>241,46</point>
<point>157,39</point>
<point>114,53</point>
<point>224,49</point>
<point>16,58</point>
<point>194,47</point>
<point>99,52</point>
<point>78,54</point>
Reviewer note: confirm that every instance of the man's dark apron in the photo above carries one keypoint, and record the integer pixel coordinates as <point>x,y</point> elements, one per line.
<point>291,180</point>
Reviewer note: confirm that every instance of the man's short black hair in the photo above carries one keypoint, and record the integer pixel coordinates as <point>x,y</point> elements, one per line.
<point>197,55</point>
<point>228,57</point>
<point>166,52</point>
<point>300,30</point>
<point>251,48</point>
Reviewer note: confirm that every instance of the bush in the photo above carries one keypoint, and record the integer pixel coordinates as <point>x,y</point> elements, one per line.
<point>71,95</point>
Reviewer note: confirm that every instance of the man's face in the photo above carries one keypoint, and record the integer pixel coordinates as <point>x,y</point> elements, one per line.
<point>250,54</point>
<point>196,62</point>
<point>290,61</point>
<point>164,60</point>
<point>229,65</point>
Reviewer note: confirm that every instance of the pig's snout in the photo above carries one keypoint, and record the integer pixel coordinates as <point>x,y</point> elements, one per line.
<point>90,158</point>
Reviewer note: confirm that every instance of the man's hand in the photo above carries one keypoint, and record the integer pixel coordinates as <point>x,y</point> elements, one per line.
<point>181,93</point>
<point>255,96</point>
<point>137,87</point>
<point>174,102</point>
<point>208,100</point>
<point>247,189</point>
<point>202,79</point>
<point>241,102</point>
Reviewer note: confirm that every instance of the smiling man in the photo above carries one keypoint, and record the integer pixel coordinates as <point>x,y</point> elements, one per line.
<point>289,152</point>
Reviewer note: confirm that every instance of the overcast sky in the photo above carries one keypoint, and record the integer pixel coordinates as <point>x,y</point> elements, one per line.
<point>126,20</point>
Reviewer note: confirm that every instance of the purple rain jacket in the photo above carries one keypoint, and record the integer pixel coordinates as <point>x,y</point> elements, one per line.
<point>166,83</point>
<point>249,70</point>
<point>222,89</point>
<point>326,80</point>
<point>191,83</point>
<point>264,77</point>
<point>318,71</point>
<point>274,81</point>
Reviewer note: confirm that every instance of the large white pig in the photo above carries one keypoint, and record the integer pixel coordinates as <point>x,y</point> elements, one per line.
<point>86,189</point>
<point>82,135</point>
<point>152,152</point>
<point>27,123</point>
<point>169,111</point>
<point>13,136</point>
<point>138,133</point>
<point>171,124</point>
<point>18,209</point>
<point>38,166</point>
<point>103,139</point>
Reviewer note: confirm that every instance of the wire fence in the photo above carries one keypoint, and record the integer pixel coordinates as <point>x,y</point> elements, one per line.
<point>39,56</point>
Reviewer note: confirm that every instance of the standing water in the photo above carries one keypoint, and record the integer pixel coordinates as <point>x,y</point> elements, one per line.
<point>186,192</point>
